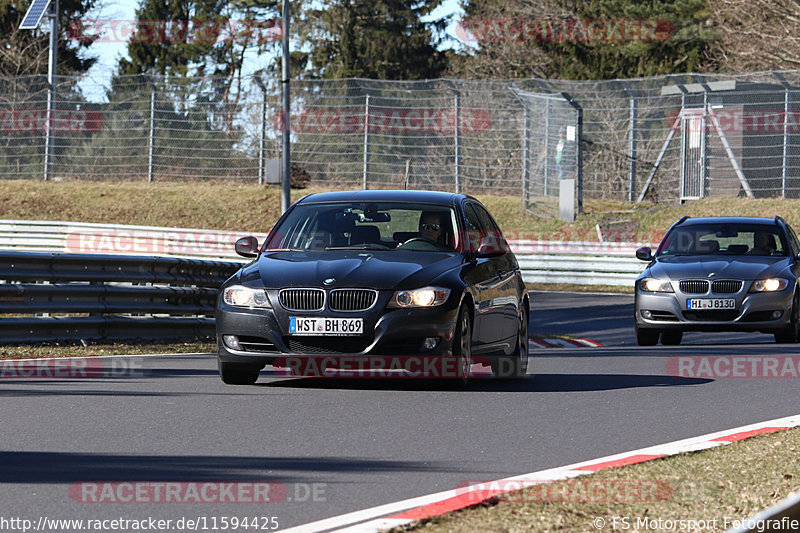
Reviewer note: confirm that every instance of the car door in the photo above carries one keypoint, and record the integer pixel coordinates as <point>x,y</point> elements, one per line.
<point>485,277</point>
<point>504,292</point>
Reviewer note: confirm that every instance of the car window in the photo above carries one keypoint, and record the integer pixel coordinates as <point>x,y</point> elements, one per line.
<point>726,239</point>
<point>793,242</point>
<point>359,225</point>
<point>480,219</point>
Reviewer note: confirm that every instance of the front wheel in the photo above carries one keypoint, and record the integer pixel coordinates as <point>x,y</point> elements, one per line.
<point>238,373</point>
<point>462,345</point>
<point>671,337</point>
<point>791,333</point>
<point>515,367</point>
<point>646,337</point>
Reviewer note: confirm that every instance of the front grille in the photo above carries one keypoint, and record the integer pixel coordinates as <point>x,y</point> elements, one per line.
<point>302,299</point>
<point>327,345</point>
<point>711,316</point>
<point>726,286</point>
<point>694,286</point>
<point>352,299</point>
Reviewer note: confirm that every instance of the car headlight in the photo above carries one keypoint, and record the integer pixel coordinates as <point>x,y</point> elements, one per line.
<point>241,296</point>
<point>655,285</point>
<point>769,285</point>
<point>424,297</point>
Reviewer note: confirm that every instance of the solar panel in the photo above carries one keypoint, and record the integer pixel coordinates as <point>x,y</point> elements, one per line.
<point>34,15</point>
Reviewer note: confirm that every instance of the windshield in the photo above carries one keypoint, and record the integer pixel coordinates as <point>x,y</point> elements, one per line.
<point>366,226</point>
<point>723,239</point>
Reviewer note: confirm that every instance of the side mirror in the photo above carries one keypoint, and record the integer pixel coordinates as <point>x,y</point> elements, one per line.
<point>492,246</point>
<point>247,247</point>
<point>644,254</point>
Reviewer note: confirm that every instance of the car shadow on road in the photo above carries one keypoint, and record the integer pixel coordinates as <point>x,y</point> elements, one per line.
<point>67,467</point>
<point>537,383</point>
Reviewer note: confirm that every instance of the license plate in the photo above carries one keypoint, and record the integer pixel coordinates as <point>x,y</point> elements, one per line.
<point>711,303</point>
<point>325,326</point>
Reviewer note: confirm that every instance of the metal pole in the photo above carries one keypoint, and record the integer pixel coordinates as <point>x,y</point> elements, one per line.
<point>457,141</point>
<point>286,175</point>
<point>632,152</point>
<point>546,146</point>
<point>785,159</point>
<point>151,142</point>
<point>366,144</point>
<point>52,65</point>
<point>262,149</point>
<point>526,154</point>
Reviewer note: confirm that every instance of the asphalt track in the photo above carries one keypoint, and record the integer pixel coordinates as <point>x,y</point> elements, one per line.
<point>337,446</point>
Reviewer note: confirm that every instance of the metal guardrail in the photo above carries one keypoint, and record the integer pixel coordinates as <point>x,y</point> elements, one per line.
<point>587,263</point>
<point>61,296</point>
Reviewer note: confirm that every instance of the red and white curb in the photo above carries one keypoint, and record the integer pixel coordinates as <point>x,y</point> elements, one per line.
<point>558,342</point>
<point>404,512</point>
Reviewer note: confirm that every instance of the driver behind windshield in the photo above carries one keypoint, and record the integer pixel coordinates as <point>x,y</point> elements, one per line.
<point>433,226</point>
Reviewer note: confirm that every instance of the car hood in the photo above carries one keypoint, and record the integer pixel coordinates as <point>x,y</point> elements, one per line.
<point>382,270</point>
<point>733,267</point>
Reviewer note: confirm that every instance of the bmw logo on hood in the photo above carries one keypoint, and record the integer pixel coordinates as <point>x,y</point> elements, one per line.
<point>329,281</point>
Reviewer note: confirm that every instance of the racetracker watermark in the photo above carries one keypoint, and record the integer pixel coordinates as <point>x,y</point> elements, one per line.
<point>384,366</point>
<point>737,366</point>
<point>195,31</point>
<point>35,121</point>
<point>570,30</point>
<point>768,121</point>
<point>180,242</point>
<point>72,368</point>
<point>176,492</point>
<point>385,120</point>
<point>571,491</point>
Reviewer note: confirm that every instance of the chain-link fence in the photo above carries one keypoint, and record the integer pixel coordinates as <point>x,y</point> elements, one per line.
<point>662,139</point>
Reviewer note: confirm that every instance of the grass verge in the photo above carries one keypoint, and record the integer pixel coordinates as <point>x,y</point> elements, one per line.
<point>731,482</point>
<point>251,207</point>
<point>92,349</point>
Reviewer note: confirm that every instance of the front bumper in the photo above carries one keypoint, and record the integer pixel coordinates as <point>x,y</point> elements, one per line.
<point>263,338</point>
<point>753,311</point>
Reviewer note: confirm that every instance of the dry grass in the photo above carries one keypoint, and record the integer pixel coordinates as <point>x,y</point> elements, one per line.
<point>250,207</point>
<point>734,481</point>
<point>94,349</point>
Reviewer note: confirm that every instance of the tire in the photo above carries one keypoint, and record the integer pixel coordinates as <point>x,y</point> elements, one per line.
<point>647,337</point>
<point>462,345</point>
<point>671,337</point>
<point>791,333</point>
<point>515,367</point>
<point>238,374</point>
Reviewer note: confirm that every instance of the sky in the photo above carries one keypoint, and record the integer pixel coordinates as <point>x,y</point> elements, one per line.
<point>109,53</point>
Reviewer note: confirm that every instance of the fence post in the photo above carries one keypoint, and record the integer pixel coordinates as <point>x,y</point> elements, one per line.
<point>262,149</point>
<point>151,139</point>
<point>526,154</point>
<point>457,141</point>
<point>785,158</point>
<point>632,152</point>
<point>366,144</point>
<point>546,147</point>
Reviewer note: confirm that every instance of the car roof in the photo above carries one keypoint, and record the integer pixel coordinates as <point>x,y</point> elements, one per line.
<point>728,220</point>
<point>433,197</point>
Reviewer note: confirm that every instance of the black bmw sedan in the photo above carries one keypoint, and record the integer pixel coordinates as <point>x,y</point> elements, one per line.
<point>418,283</point>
